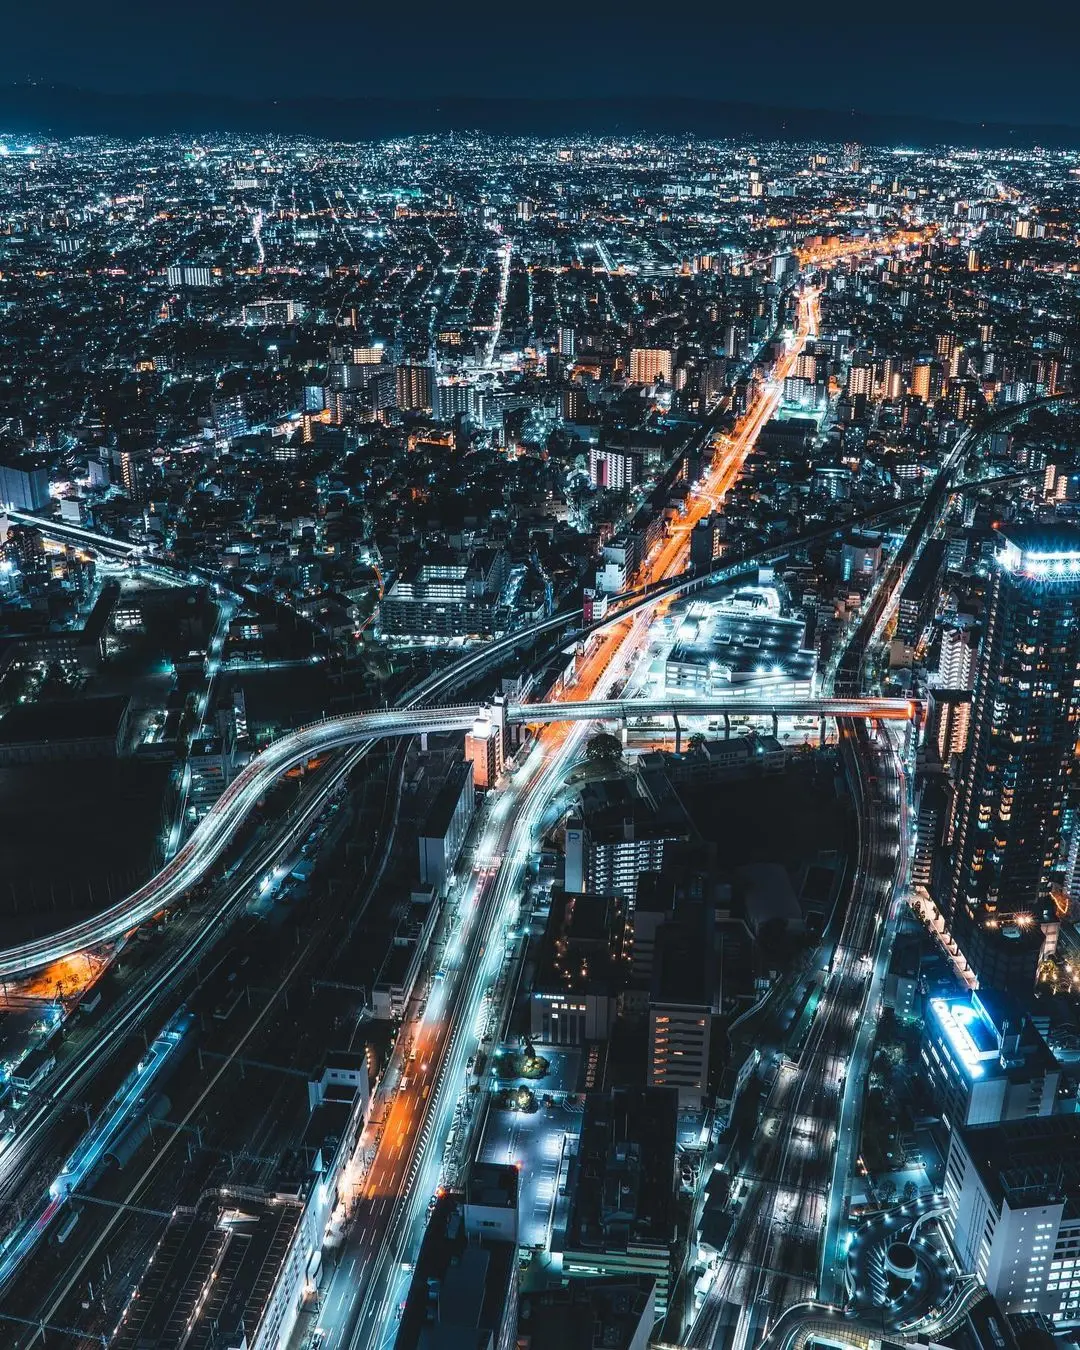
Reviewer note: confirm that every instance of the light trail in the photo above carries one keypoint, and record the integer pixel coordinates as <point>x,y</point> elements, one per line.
<point>443,1035</point>
<point>121,1110</point>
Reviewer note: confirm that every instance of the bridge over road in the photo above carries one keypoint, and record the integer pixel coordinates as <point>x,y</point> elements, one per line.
<point>212,835</point>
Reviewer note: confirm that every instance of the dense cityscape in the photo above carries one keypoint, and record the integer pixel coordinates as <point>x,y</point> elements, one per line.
<point>539,713</point>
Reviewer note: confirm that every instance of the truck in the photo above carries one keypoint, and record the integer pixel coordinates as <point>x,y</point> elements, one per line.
<point>66,1227</point>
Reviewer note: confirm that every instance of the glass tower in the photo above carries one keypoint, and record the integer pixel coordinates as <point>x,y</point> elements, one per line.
<point>1023,739</point>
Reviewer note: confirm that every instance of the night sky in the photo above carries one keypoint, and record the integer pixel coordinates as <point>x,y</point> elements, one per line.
<point>975,71</point>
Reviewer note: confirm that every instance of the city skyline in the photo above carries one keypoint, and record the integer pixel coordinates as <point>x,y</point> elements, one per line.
<point>539,775</point>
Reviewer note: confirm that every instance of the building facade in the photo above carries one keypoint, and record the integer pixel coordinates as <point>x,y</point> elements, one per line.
<point>1025,725</point>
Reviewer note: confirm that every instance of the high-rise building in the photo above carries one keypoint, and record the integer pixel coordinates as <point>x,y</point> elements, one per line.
<point>484,751</point>
<point>861,375</point>
<point>229,415</point>
<point>24,549</point>
<point>454,399</point>
<point>610,467</point>
<point>806,366</point>
<point>415,387</point>
<point>135,474</point>
<point>987,1061</point>
<point>1013,1217</point>
<point>650,365</point>
<point>567,342</point>
<point>1024,732</point>
<point>956,661</point>
<point>24,484</point>
<point>921,380</point>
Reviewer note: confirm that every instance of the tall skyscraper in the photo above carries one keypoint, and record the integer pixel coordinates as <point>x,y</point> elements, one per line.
<point>415,388</point>
<point>1025,726</point>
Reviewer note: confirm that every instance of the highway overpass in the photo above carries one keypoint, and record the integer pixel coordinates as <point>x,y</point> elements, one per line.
<point>70,533</point>
<point>214,832</point>
<point>734,705</point>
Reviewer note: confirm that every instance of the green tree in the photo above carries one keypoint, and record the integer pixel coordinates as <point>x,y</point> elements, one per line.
<point>604,748</point>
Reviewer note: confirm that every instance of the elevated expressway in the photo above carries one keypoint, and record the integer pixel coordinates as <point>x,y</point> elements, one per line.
<point>214,832</point>
<point>212,835</point>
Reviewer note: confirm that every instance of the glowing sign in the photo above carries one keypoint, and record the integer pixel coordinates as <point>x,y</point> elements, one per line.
<point>1039,562</point>
<point>955,1020</point>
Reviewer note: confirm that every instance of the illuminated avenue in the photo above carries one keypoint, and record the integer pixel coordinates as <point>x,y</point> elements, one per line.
<point>554,668</point>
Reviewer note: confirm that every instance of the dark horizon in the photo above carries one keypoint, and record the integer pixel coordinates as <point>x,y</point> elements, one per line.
<point>1013,74</point>
<point>56,110</point>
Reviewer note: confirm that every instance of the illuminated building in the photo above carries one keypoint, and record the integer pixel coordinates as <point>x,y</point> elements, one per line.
<point>622,832</point>
<point>267,312</point>
<point>188,275</point>
<point>860,557</point>
<point>806,366</point>
<point>454,398</point>
<point>230,416</point>
<point>135,474</point>
<point>452,597</point>
<point>650,365</point>
<point>415,385</point>
<point>23,550</point>
<point>1024,730</point>
<point>861,376</point>
<point>921,378</point>
<point>956,662</point>
<point>484,751</point>
<point>1014,1194</point>
<point>610,467</point>
<point>743,642</point>
<point>987,1061</point>
<point>24,484</point>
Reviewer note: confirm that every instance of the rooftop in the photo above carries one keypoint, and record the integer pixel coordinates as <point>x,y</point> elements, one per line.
<point>1024,1163</point>
<point>588,1314</point>
<point>622,1182</point>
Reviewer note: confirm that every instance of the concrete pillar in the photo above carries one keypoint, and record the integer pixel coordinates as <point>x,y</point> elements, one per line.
<point>727,726</point>
<point>678,733</point>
